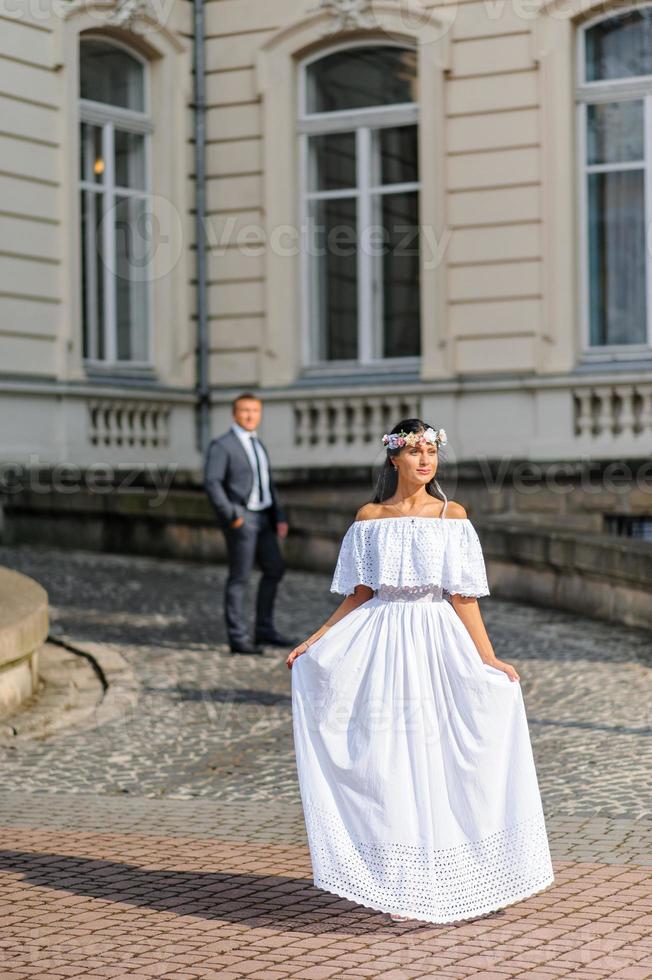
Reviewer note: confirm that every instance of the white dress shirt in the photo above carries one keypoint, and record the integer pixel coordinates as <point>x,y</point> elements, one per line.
<point>254,502</point>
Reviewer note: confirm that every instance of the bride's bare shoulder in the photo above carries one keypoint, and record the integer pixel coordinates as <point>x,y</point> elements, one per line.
<point>371,511</point>
<point>368,512</point>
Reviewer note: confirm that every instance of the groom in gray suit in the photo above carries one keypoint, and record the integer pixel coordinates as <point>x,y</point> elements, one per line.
<point>239,482</point>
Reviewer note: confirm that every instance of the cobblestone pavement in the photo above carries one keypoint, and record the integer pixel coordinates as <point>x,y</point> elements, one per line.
<point>169,840</point>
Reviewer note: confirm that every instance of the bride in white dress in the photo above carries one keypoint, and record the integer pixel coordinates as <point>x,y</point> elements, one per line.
<point>414,760</point>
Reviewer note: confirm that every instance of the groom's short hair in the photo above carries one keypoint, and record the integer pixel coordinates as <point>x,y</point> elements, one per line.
<point>242,396</point>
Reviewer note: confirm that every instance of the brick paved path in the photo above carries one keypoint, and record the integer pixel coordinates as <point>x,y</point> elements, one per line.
<point>169,842</point>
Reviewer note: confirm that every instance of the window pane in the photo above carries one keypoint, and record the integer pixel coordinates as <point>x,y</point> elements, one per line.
<point>615,132</point>
<point>617,251</point>
<point>134,254</point>
<point>92,274</point>
<point>620,47</point>
<point>110,74</point>
<point>396,155</point>
<point>333,256</point>
<point>332,162</point>
<point>400,274</point>
<point>92,166</point>
<point>129,159</point>
<point>360,77</point>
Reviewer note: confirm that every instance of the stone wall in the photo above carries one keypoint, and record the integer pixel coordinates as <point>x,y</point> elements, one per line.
<point>555,554</point>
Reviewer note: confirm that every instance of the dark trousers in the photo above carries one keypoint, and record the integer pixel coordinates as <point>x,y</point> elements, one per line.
<point>254,542</point>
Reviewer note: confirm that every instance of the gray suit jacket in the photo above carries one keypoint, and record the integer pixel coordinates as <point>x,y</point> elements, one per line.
<point>229,478</point>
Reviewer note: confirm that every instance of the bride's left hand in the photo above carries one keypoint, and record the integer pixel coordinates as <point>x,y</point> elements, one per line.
<point>511,671</point>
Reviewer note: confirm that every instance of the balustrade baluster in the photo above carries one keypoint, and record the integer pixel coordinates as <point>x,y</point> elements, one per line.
<point>605,415</point>
<point>645,418</point>
<point>583,416</point>
<point>301,423</point>
<point>626,417</point>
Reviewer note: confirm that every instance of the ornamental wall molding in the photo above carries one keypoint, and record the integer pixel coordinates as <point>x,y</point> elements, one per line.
<point>345,15</point>
<point>147,19</point>
<point>407,20</point>
<point>134,15</point>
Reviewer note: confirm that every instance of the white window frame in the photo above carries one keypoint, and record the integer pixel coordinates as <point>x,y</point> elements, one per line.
<point>636,88</point>
<point>362,122</point>
<point>109,118</point>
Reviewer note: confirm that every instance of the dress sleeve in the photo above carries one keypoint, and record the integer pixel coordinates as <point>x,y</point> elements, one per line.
<point>351,568</point>
<point>463,571</point>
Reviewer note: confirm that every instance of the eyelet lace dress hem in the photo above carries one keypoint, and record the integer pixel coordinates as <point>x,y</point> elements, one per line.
<point>433,885</point>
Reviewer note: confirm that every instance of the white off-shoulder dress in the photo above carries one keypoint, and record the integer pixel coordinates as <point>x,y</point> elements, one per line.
<point>415,766</point>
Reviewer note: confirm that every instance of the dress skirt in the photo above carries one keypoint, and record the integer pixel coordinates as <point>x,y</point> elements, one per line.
<point>415,766</point>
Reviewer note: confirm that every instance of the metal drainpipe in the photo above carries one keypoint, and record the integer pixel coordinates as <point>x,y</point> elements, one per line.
<point>203,393</point>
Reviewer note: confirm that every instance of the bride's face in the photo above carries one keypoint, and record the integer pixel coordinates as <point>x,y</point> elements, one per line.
<point>418,464</point>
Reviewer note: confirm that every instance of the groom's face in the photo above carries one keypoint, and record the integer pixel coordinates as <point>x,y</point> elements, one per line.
<point>247,412</point>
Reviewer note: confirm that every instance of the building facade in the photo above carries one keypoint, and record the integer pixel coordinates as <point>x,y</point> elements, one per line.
<point>407,208</point>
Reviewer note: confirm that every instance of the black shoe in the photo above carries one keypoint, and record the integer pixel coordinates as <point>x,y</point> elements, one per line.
<point>275,640</point>
<point>244,646</point>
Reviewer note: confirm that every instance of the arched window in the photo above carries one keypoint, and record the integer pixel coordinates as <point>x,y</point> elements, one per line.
<point>114,187</point>
<point>615,106</point>
<point>358,125</point>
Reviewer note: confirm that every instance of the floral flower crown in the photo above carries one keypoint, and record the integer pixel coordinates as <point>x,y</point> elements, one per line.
<point>396,440</point>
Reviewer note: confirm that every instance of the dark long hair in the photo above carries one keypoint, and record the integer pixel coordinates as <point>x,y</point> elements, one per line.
<point>388,477</point>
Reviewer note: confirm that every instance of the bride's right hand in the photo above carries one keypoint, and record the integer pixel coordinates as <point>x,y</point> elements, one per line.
<point>292,656</point>
<point>511,671</point>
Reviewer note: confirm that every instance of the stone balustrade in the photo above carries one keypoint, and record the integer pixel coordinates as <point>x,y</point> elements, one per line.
<point>613,411</point>
<point>353,420</point>
<point>128,423</point>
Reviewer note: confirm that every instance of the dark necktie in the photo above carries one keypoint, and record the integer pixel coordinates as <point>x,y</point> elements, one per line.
<point>260,476</point>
